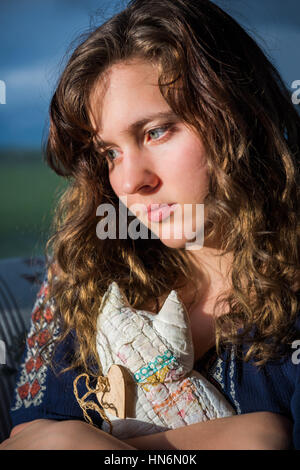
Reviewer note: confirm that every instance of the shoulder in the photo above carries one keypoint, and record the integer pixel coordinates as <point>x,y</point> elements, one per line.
<point>43,388</point>
<point>31,379</point>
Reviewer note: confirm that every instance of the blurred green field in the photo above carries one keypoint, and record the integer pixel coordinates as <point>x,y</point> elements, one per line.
<point>28,193</point>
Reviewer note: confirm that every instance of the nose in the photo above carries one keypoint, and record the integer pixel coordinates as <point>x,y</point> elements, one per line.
<point>138,174</point>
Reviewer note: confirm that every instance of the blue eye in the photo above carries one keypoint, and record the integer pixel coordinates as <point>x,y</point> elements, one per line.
<point>163,129</point>
<point>109,152</point>
<point>109,156</point>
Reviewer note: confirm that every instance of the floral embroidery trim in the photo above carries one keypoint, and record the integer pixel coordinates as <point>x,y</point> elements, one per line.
<point>232,385</point>
<point>30,386</point>
<point>217,372</point>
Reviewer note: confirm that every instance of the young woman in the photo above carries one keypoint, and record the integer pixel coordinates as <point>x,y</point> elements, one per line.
<point>171,101</point>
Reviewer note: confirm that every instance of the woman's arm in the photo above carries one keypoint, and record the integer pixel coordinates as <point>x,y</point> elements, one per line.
<point>260,430</point>
<point>46,434</point>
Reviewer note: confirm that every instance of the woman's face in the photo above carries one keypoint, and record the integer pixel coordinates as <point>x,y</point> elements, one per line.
<point>153,157</point>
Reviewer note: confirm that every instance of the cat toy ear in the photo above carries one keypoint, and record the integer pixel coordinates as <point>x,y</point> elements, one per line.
<point>173,324</point>
<point>113,297</point>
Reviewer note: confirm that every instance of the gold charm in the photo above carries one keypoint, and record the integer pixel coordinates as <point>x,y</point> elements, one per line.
<point>120,394</point>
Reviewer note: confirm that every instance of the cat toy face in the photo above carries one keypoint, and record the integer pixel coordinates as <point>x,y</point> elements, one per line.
<point>157,352</point>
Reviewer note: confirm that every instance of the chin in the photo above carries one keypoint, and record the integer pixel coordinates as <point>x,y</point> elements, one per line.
<point>192,245</point>
<point>179,238</point>
<point>173,243</point>
<point>173,234</point>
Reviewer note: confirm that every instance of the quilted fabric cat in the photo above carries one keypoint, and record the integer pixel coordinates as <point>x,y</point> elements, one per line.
<point>157,351</point>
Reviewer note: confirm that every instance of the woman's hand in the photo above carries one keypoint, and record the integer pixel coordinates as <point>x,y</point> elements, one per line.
<point>46,434</point>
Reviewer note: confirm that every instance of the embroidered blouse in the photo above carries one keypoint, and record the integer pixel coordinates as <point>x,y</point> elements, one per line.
<point>43,392</point>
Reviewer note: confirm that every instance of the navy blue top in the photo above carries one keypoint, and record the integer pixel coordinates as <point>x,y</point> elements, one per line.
<point>41,392</point>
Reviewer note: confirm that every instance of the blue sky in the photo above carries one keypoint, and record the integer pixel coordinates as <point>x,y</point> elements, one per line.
<point>35,35</point>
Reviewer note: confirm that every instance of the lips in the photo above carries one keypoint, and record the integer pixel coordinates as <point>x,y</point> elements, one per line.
<point>154,206</point>
<point>159,212</point>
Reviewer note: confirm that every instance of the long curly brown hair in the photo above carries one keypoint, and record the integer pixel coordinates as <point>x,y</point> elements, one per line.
<point>216,78</point>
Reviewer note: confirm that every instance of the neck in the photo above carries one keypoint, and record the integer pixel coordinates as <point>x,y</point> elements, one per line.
<point>211,274</point>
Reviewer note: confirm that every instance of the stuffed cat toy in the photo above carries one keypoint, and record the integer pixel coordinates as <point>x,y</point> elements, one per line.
<point>152,359</point>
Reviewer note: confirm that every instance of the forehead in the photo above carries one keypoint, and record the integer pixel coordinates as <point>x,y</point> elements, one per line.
<point>126,90</point>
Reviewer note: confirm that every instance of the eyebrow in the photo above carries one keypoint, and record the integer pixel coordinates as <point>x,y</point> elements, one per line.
<point>134,127</point>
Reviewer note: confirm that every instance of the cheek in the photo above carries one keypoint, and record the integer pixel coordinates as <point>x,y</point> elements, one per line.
<point>189,170</point>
